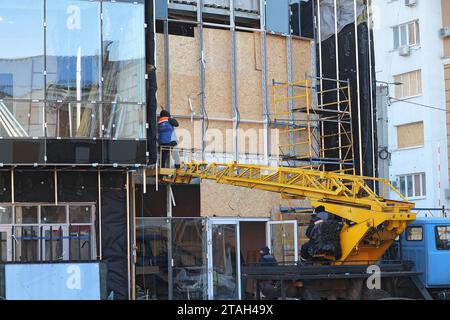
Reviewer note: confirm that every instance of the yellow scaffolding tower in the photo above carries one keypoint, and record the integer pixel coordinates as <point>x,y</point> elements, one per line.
<point>315,125</point>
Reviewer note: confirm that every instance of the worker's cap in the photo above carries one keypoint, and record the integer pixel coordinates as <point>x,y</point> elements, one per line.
<point>164,113</point>
<point>265,250</point>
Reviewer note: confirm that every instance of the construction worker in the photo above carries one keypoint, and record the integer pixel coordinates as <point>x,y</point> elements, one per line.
<point>266,258</point>
<point>167,137</point>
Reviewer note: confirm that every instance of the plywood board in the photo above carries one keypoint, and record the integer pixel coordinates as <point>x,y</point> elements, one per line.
<point>410,135</point>
<point>277,68</point>
<point>251,138</point>
<point>225,200</point>
<point>184,74</point>
<point>248,76</point>
<point>219,137</point>
<point>217,55</point>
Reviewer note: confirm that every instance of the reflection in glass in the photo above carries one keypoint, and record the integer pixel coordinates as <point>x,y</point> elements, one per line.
<point>73,50</point>
<point>5,214</point>
<point>124,121</point>
<point>283,242</point>
<point>152,259</point>
<point>53,240</point>
<point>26,244</point>
<point>25,215</point>
<point>224,261</point>
<point>80,243</point>
<point>21,119</point>
<point>123,52</point>
<point>3,246</point>
<point>80,214</point>
<point>189,262</point>
<point>53,214</point>
<point>72,120</point>
<point>21,62</point>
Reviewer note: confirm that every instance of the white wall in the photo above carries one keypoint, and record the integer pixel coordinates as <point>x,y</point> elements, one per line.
<point>427,57</point>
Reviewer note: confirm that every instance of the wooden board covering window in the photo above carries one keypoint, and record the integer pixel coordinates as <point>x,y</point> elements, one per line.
<point>446,23</point>
<point>410,135</point>
<point>447,99</point>
<point>411,84</point>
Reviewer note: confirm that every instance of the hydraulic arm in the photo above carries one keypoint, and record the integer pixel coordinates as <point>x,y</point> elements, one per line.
<point>372,222</point>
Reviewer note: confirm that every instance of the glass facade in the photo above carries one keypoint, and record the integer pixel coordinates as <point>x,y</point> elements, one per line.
<point>72,69</point>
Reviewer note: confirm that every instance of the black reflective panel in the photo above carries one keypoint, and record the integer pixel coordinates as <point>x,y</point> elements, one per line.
<point>124,151</point>
<point>22,49</point>
<point>22,151</point>
<point>73,50</point>
<point>124,52</point>
<point>153,203</point>
<point>77,186</point>
<point>187,199</point>
<point>5,186</point>
<point>71,151</point>
<point>34,186</point>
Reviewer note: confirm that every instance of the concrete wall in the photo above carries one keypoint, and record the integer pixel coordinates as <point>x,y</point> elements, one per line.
<point>428,57</point>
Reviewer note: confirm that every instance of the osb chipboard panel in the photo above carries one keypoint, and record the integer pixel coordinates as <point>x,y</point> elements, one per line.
<point>184,74</point>
<point>248,75</point>
<point>217,55</point>
<point>188,134</point>
<point>160,70</point>
<point>276,67</point>
<point>224,200</point>
<point>251,138</point>
<point>219,137</point>
<point>301,59</point>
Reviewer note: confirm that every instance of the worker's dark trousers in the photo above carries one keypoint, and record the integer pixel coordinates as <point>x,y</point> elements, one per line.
<point>165,153</point>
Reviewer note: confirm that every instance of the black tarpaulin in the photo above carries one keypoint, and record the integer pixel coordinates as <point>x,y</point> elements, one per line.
<point>151,82</point>
<point>114,232</point>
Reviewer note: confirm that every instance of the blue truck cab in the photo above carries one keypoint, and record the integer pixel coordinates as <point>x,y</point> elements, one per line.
<point>426,242</point>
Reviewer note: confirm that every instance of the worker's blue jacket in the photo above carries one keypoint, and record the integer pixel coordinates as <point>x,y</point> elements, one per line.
<point>166,131</point>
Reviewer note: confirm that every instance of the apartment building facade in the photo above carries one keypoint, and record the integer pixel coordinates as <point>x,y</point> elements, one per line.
<point>412,56</point>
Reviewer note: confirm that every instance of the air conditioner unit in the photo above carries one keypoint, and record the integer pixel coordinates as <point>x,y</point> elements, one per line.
<point>410,3</point>
<point>445,32</point>
<point>404,51</point>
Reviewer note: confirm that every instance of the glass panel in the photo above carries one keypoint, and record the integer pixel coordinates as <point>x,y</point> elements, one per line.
<point>189,262</point>
<point>417,32</point>
<point>21,62</point>
<point>152,259</point>
<point>25,215</point>
<point>417,185</point>
<point>424,185</point>
<point>5,215</point>
<point>124,121</point>
<point>124,52</point>
<point>411,34</point>
<point>414,234</point>
<point>80,214</point>
<point>27,244</point>
<point>21,119</point>
<point>224,261</point>
<point>283,242</point>
<point>53,237</point>
<point>73,50</point>
<point>73,120</point>
<point>409,186</point>
<point>403,37</point>
<point>80,243</point>
<point>3,246</point>
<point>402,186</point>
<point>396,39</point>
<point>53,214</point>
<point>443,238</point>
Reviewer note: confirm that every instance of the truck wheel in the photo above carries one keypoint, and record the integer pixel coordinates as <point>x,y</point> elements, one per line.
<point>374,294</point>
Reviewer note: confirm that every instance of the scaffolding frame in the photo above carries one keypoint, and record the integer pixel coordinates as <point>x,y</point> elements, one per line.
<point>315,125</point>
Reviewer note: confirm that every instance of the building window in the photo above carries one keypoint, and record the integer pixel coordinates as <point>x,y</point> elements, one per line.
<point>407,34</point>
<point>412,185</point>
<point>48,232</point>
<point>410,84</point>
<point>443,237</point>
<point>414,234</point>
<point>410,135</point>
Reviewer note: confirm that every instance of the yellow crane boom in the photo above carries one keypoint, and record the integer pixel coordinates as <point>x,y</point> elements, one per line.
<point>373,222</point>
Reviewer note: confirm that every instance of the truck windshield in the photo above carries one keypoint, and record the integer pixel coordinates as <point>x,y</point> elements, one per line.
<point>443,237</point>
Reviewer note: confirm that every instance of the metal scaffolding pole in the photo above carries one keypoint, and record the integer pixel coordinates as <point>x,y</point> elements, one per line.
<point>262,13</point>
<point>336,39</point>
<point>201,66</point>
<point>167,64</point>
<point>234,102</point>
<point>369,28</point>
